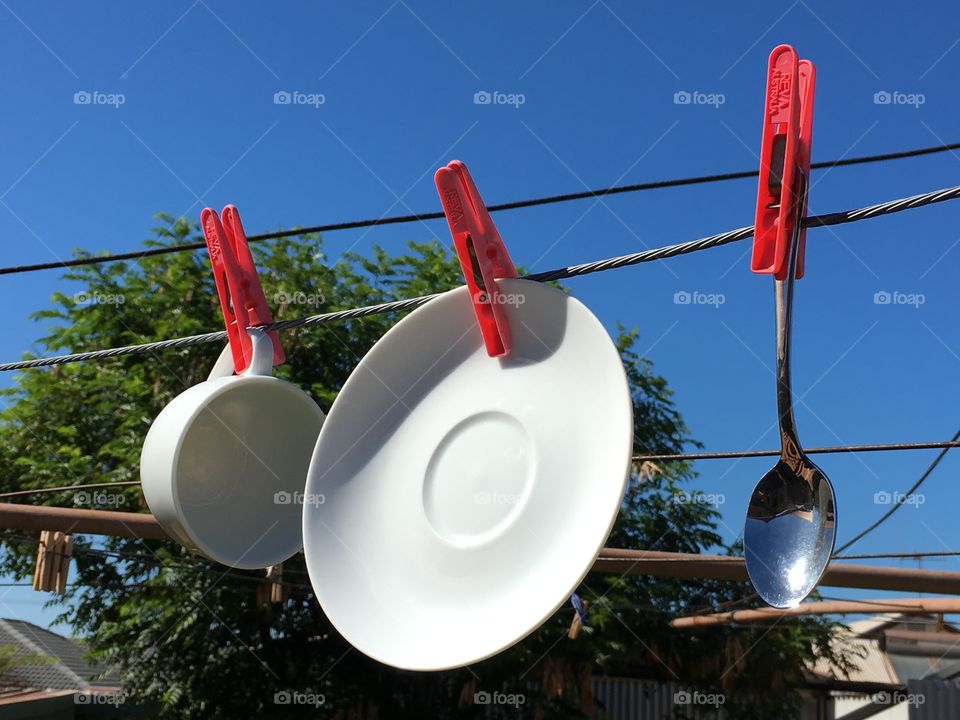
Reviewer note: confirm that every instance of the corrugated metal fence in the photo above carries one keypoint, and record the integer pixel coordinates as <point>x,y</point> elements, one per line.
<point>629,699</point>
<point>933,699</point>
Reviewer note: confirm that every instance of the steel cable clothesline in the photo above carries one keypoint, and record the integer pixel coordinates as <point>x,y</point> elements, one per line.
<point>662,253</point>
<point>513,205</point>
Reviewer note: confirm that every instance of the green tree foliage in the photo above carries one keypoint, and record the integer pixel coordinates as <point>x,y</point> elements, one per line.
<point>188,635</point>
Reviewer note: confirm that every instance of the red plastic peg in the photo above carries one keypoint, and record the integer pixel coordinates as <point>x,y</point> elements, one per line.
<point>238,285</point>
<point>784,162</point>
<point>482,254</point>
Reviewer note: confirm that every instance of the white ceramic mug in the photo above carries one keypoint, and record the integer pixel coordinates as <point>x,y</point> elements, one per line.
<point>224,465</point>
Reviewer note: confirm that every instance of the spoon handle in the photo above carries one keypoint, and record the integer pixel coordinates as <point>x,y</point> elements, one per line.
<point>783,293</point>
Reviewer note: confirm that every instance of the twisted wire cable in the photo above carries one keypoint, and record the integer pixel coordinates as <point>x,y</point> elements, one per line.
<point>662,253</point>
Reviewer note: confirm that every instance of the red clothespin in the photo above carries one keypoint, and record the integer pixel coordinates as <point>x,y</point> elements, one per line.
<point>238,285</point>
<point>483,256</point>
<point>784,162</point>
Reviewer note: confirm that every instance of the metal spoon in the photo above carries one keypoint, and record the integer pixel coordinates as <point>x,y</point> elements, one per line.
<point>791,522</point>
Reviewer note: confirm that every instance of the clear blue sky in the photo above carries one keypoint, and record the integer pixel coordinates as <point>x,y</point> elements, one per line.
<point>198,126</point>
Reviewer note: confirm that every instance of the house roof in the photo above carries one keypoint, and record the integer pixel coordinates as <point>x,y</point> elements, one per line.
<point>872,664</point>
<point>896,649</point>
<point>72,671</point>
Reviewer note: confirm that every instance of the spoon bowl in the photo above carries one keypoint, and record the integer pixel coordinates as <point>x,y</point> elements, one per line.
<point>790,531</point>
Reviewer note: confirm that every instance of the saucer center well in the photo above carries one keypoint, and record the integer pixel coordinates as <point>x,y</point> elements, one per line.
<point>478,478</point>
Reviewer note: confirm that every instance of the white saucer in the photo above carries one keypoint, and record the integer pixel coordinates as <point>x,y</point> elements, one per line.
<point>466,497</point>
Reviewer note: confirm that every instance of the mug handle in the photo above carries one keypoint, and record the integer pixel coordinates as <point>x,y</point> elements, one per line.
<point>261,362</point>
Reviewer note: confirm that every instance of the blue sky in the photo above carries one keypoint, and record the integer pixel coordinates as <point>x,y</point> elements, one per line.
<point>183,115</point>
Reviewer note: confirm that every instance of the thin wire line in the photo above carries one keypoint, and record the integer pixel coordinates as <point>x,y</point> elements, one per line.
<point>637,458</point>
<point>896,556</point>
<point>65,488</point>
<point>514,205</point>
<point>837,218</point>
<point>893,603</point>
<point>809,451</point>
<point>902,498</point>
<point>726,605</point>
